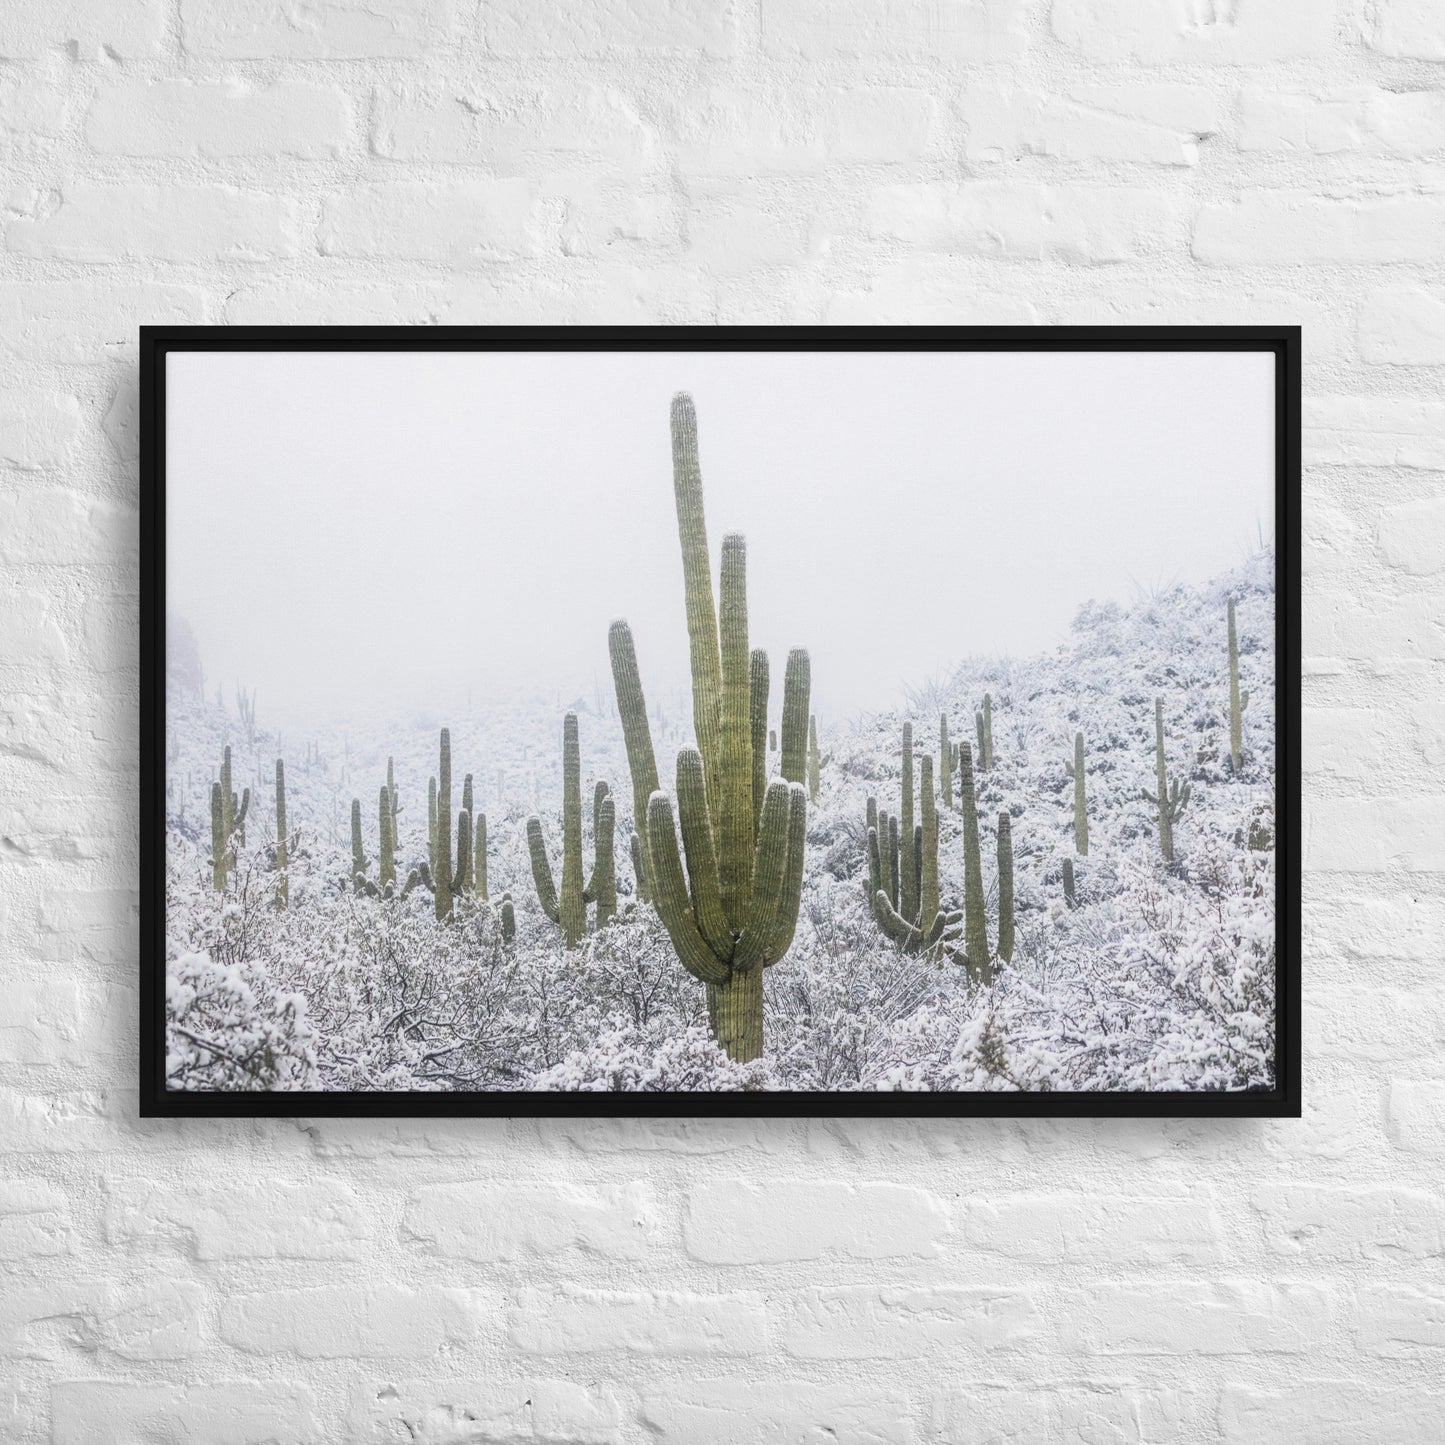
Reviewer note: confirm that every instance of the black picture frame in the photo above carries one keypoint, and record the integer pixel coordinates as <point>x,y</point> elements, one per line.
<point>157,342</point>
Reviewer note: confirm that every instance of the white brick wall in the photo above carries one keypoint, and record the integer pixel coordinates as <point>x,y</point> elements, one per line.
<point>233,1283</point>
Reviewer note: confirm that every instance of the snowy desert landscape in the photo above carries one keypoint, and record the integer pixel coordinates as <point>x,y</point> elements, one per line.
<point>1042,872</point>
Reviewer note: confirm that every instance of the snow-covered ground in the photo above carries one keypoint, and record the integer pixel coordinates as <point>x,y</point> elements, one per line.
<point>1163,977</point>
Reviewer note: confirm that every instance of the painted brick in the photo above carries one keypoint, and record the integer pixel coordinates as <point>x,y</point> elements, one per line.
<point>932,30</point>
<point>737,1222</point>
<point>512,1221</point>
<point>513,131</point>
<point>1319,1221</point>
<point>461,223</point>
<point>790,1412</point>
<point>1400,1322</point>
<point>1243,1317</point>
<point>31,111</point>
<point>336,1322</point>
<point>35,1220</point>
<point>227,118</point>
<point>1417,1114</point>
<point>1151,124</point>
<point>109,1412</point>
<point>1080,1229</point>
<point>1377,431</point>
<point>898,1323</point>
<point>37,428</point>
<point>329,30</point>
<point>101,223</point>
<point>1358,119</point>
<point>1414,29</point>
<point>517,29</point>
<point>325,1219</point>
<point>1330,1412</point>
<point>1110,1411</point>
<point>1081,225</point>
<point>1403,326</point>
<point>158,1320</point>
<point>131,29</point>
<point>1294,227</point>
<point>576,1320</point>
<point>1412,536</point>
<point>547,1412</point>
<point>57,527</point>
<point>1244,32</point>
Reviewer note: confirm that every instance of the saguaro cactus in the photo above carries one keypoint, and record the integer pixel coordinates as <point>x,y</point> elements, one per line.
<point>509,919</point>
<point>386,847</point>
<point>569,909</point>
<point>467,873</point>
<point>908,883</point>
<point>441,865</point>
<point>228,819</point>
<point>1169,797</point>
<point>772,740</point>
<point>1075,770</point>
<point>986,762</point>
<point>1238,700</point>
<point>431,823</point>
<point>283,886</point>
<point>1069,895</point>
<point>358,855</point>
<point>814,763</point>
<point>975,927</point>
<point>1005,888</point>
<point>736,910</point>
<point>945,762</point>
<point>395,805</point>
<point>758,684</point>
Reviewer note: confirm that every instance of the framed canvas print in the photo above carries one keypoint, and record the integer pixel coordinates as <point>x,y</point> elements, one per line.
<point>700,721</point>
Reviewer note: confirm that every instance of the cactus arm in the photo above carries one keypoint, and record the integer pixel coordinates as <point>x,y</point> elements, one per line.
<point>945,926</point>
<point>893,857</point>
<point>875,864</point>
<point>894,925</point>
<point>702,628</point>
<point>770,867</point>
<point>479,848</point>
<point>697,842</point>
<point>669,892</point>
<point>542,870</point>
<point>735,788</point>
<point>634,847</point>
<point>786,925</point>
<point>797,687</point>
<point>637,737</point>
<point>758,682</point>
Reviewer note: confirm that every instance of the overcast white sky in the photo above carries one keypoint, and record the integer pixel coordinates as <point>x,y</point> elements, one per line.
<point>347,527</point>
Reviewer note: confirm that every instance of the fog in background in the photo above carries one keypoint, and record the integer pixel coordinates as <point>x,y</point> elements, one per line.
<point>414,528</point>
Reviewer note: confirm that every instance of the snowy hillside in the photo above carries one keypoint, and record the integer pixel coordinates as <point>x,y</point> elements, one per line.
<point>1161,976</point>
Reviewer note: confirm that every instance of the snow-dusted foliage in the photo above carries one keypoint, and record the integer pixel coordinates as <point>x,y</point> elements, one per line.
<point>1162,977</point>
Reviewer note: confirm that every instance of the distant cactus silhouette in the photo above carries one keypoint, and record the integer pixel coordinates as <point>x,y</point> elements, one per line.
<point>1075,770</point>
<point>1005,888</point>
<point>1169,797</point>
<point>1238,700</point>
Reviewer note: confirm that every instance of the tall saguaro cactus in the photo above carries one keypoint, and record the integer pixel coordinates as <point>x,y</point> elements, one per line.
<point>735,910</point>
<point>441,864</point>
<point>1238,700</point>
<point>358,855</point>
<point>479,857</point>
<point>1169,797</point>
<point>975,926</point>
<point>228,820</point>
<point>569,908</point>
<point>908,883</point>
<point>283,885</point>
<point>1005,888</point>
<point>1075,770</point>
<point>386,847</point>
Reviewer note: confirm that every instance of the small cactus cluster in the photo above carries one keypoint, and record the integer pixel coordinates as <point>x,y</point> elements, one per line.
<point>1169,796</point>
<point>569,908</point>
<point>228,824</point>
<point>903,865</point>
